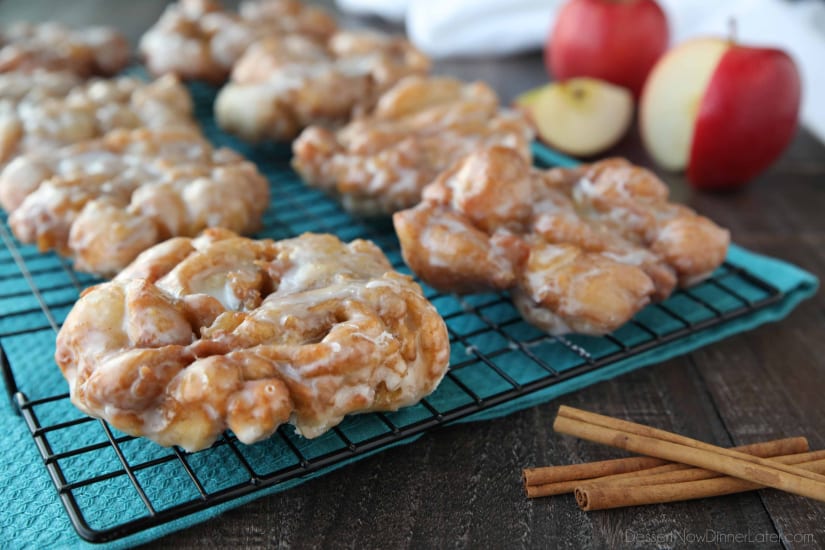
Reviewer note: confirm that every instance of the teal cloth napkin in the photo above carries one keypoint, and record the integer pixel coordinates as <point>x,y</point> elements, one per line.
<point>33,517</point>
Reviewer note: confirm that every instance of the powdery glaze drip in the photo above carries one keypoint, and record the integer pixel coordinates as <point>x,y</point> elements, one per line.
<point>580,250</point>
<point>380,162</point>
<point>200,335</point>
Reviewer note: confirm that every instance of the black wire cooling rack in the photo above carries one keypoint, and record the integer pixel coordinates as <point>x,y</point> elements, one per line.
<point>113,485</point>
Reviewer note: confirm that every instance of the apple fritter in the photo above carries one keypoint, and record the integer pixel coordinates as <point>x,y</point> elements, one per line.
<point>380,162</point>
<point>91,51</point>
<point>104,201</point>
<point>44,121</point>
<point>282,85</point>
<point>225,332</point>
<point>199,40</point>
<point>35,85</point>
<point>581,250</point>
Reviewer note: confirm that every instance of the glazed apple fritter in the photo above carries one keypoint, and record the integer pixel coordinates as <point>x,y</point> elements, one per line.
<point>104,201</point>
<point>201,335</point>
<point>381,162</point>
<point>282,85</point>
<point>581,250</point>
<point>45,121</point>
<point>35,85</point>
<point>92,51</point>
<point>199,40</point>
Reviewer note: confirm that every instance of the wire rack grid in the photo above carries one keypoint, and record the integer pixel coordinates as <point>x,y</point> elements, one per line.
<point>113,485</point>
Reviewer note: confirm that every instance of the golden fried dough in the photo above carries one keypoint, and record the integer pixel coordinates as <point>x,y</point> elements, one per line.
<point>105,201</point>
<point>226,332</point>
<point>581,250</point>
<point>282,85</point>
<point>44,121</point>
<point>199,40</point>
<point>27,47</point>
<point>381,162</point>
<point>35,85</point>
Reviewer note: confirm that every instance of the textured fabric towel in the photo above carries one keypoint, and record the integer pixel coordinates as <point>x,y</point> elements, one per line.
<point>33,517</point>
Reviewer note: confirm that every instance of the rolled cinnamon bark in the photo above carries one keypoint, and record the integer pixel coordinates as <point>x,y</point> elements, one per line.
<point>603,495</point>
<point>565,479</point>
<point>588,470</point>
<point>695,474</point>
<point>662,444</point>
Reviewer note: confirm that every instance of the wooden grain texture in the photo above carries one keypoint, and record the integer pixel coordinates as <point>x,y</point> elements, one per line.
<point>459,487</point>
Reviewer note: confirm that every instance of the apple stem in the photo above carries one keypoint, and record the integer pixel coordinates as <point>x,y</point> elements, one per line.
<point>732,30</point>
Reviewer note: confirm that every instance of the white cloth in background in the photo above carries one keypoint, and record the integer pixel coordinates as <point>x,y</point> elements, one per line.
<point>446,28</point>
<point>479,27</point>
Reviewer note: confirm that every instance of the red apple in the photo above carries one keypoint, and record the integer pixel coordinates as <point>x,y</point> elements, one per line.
<point>720,110</point>
<point>614,40</point>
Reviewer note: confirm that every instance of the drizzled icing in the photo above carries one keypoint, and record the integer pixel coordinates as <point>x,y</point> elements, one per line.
<point>27,47</point>
<point>198,39</point>
<point>284,84</point>
<point>381,162</point>
<point>581,250</point>
<point>41,122</point>
<point>104,201</point>
<point>225,332</point>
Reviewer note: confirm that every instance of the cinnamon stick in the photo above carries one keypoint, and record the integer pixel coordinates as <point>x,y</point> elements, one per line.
<point>588,470</point>
<point>669,446</point>
<point>604,495</point>
<point>695,474</point>
<point>556,480</point>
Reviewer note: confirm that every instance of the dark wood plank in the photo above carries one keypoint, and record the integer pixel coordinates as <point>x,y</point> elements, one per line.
<point>460,486</point>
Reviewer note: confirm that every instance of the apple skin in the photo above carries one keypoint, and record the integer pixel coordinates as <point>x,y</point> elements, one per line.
<point>616,41</point>
<point>672,96</point>
<point>746,118</point>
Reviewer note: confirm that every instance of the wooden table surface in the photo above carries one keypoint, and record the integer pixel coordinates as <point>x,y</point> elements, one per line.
<point>460,486</point>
